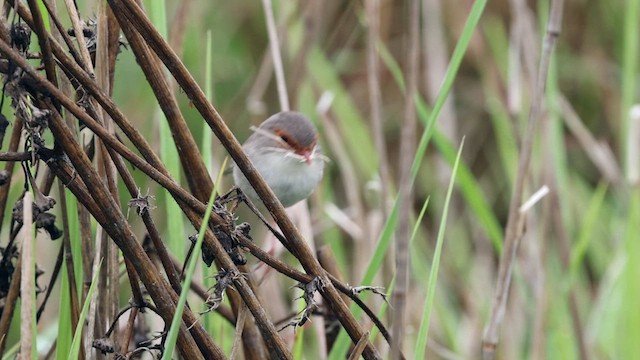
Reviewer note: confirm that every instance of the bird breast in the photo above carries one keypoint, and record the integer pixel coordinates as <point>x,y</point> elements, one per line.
<point>290,179</point>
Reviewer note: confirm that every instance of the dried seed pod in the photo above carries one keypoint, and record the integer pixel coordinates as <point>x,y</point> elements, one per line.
<point>20,36</point>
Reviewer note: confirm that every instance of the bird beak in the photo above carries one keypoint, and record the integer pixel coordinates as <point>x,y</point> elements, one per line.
<point>306,156</point>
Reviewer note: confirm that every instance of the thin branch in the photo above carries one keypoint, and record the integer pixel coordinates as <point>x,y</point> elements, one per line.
<point>407,153</point>
<point>275,53</point>
<point>15,156</point>
<point>72,10</point>
<point>43,39</point>
<point>375,101</point>
<point>514,225</point>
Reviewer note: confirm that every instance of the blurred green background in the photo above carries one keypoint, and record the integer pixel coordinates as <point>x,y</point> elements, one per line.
<point>581,239</point>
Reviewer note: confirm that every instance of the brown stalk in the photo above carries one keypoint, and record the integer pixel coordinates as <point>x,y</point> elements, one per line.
<point>113,44</point>
<point>60,33</point>
<point>202,336</point>
<point>66,174</point>
<point>109,139</point>
<point>152,230</point>
<point>84,220</point>
<point>188,84</point>
<point>294,274</point>
<point>121,234</point>
<point>115,227</point>
<point>114,143</point>
<point>513,231</point>
<point>107,294</point>
<point>4,30</point>
<point>15,156</point>
<point>407,151</point>
<point>92,88</point>
<point>156,170</point>
<point>169,267</point>
<point>196,173</point>
<point>242,317</point>
<point>357,350</point>
<point>129,332</point>
<point>328,261</point>
<point>104,100</point>
<point>72,10</point>
<point>137,138</point>
<point>43,40</point>
<point>63,33</point>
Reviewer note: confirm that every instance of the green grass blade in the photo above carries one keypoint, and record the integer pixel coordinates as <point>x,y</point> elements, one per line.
<point>207,135</point>
<point>505,139</point>
<point>590,219</point>
<point>392,65</point>
<point>471,190</point>
<point>629,316</point>
<point>10,354</point>
<point>168,152</point>
<point>629,74</point>
<point>416,227</point>
<point>75,344</point>
<point>191,267</point>
<point>63,343</point>
<point>421,344</point>
<point>449,77</point>
<point>472,193</point>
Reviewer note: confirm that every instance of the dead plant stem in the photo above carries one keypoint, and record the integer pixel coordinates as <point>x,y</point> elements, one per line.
<point>513,232</point>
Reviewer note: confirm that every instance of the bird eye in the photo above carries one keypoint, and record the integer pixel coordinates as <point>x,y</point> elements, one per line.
<point>284,138</point>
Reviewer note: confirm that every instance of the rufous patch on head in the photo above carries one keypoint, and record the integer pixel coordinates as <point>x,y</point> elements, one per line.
<point>291,141</point>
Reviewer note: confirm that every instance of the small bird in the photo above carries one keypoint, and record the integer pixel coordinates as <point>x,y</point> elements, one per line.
<point>285,151</point>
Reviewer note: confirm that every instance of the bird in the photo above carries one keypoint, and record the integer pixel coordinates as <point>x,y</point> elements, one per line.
<point>285,151</point>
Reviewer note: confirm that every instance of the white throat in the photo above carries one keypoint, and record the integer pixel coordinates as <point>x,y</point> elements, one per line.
<point>291,179</point>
